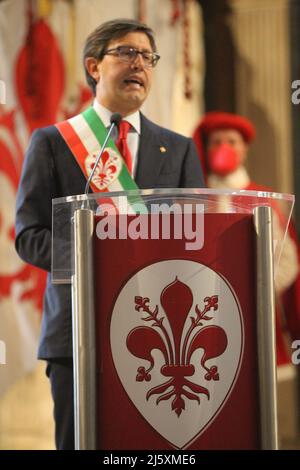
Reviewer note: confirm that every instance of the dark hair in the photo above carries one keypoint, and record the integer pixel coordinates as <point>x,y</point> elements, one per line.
<point>97,42</point>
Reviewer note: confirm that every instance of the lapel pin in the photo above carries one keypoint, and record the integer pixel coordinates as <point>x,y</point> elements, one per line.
<point>162,149</point>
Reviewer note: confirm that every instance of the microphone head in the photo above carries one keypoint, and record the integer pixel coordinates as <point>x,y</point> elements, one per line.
<point>115,118</point>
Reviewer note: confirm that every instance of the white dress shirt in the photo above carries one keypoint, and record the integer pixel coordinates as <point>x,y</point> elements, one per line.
<point>133,137</point>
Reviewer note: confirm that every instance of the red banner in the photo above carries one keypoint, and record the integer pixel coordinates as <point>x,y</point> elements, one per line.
<point>176,340</point>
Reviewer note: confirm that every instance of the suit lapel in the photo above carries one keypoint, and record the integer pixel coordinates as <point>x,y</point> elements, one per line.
<point>150,157</point>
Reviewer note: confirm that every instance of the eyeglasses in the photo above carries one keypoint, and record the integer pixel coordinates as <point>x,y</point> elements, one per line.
<point>129,54</point>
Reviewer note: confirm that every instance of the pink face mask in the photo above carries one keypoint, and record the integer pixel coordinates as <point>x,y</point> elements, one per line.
<point>223,160</point>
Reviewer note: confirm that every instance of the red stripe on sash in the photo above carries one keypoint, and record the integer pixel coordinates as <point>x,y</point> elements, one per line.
<point>72,140</point>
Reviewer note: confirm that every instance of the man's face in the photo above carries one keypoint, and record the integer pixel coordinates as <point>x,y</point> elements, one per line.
<point>231,137</point>
<point>123,87</point>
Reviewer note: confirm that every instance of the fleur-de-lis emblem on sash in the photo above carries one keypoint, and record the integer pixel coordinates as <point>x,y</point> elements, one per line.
<point>108,169</point>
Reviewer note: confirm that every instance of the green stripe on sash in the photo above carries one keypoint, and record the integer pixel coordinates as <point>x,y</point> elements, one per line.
<point>100,132</point>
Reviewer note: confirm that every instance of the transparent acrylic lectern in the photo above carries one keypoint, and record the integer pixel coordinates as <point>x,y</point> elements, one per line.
<point>173,316</point>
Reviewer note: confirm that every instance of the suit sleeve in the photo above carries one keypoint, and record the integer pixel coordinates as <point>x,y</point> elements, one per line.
<point>191,175</point>
<point>34,203</point>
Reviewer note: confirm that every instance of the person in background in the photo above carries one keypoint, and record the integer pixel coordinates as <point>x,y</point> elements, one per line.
<point>223,140</point>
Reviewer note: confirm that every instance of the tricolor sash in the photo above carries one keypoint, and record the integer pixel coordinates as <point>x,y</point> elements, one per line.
<point>84,135</point>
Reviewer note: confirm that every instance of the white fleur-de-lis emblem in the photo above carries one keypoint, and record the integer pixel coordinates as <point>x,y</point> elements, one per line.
<point>177,344</point>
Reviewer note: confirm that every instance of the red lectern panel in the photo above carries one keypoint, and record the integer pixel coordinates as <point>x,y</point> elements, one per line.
<point>176,340</point>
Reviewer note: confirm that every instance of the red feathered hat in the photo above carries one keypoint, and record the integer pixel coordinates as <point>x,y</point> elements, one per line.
<point>215,120</point>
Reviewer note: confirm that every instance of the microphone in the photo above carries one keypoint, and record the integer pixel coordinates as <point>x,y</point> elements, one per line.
<point>114,121</point>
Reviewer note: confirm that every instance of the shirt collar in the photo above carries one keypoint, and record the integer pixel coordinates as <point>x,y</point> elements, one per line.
<point>105,114</point>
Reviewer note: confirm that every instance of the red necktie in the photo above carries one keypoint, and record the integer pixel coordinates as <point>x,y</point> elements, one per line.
<point>122,145</point>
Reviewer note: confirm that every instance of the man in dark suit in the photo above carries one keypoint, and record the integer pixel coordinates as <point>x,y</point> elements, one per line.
<point>119,57</point>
